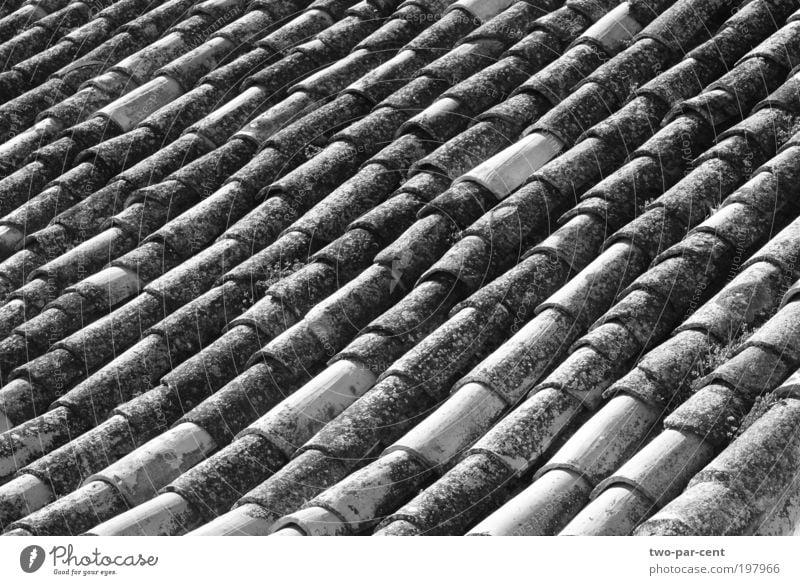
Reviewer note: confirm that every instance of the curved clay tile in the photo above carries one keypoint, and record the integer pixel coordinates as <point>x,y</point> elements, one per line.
<point>309,125</point>
<point>709,418</point>
<point>33,71</point>
<point>140,31</point>
<point>747,301</point>
<point>283,231</point>
<point>761,465</point>
<point>99,90</point>
<point>624,423</point>
<point>167,85</point>
<point>46,31</point>
<point>566,302</point>
<point>587,372</point>
<point>27,14</point>
<point>233,155</point>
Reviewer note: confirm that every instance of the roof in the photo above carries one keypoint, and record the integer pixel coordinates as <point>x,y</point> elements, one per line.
<point>399,267</point>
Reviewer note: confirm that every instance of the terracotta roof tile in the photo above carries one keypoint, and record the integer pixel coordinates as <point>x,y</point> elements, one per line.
<point>269,239</point>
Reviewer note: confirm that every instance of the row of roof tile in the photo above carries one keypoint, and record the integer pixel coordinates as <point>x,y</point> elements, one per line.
<point>382,198</point>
